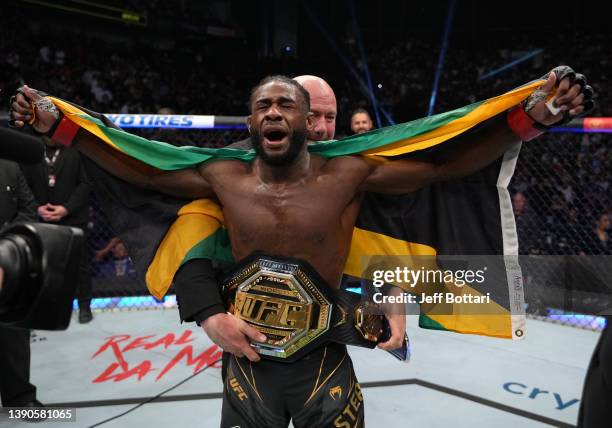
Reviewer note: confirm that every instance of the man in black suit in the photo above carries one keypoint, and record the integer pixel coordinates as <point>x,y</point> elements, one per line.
<point>16,204</point>
<point>61,190</point>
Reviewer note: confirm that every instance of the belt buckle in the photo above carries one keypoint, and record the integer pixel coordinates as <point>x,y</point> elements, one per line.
<point>368,324</point>
<point>280,300</point>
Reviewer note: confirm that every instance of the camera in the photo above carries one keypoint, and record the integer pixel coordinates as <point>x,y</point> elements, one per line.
<point>40,264</point>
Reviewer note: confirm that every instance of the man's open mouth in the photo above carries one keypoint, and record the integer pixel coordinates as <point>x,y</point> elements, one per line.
<point>275,136</point>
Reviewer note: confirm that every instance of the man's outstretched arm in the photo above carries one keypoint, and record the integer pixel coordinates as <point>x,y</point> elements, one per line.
<point>463,157</point>
<point>477,149</point>
<point>185,183</point>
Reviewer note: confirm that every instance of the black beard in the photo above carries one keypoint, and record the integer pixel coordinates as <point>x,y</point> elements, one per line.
<point>296,142</point>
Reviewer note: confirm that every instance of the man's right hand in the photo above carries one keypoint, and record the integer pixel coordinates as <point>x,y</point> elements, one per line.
<point>22,111</point>
<point>233,335</point>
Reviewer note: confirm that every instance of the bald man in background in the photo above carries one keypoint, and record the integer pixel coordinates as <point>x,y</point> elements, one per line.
<point>322,105</point>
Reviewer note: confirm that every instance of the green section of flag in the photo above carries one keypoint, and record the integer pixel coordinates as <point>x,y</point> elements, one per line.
<point>381,137</point>
<point>428,323</point>
<point>215,247</point>
<point>167,157</point>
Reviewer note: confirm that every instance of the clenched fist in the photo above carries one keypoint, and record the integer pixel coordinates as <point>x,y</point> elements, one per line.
<point>28,106</point>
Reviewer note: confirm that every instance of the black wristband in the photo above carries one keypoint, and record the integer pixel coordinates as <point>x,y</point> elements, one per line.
<point>196,289</point>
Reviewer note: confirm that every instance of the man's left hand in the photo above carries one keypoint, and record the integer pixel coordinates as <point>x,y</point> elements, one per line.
<point>572,96</point>
<point>397,322</point>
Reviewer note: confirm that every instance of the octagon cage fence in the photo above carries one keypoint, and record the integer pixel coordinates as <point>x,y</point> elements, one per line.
<point>561,197</point>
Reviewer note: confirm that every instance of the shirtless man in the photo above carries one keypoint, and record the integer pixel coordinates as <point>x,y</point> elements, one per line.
<point>290,203</point>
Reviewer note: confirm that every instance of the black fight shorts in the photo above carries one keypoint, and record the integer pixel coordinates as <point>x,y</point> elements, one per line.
<point>319,390</point>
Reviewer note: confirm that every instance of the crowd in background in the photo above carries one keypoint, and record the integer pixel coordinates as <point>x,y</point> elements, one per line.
<point>561,189</point>
<point>562,195</point>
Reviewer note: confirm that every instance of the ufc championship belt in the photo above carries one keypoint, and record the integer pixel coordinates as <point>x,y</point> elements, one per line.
<point>288,301</point>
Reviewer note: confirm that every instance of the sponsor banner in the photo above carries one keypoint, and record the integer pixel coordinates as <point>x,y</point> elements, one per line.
<point>162,121</point>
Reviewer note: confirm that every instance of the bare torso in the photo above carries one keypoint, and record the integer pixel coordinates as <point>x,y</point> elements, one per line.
<point>311,219</point>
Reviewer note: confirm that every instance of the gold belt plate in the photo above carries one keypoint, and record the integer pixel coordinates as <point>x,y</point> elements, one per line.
<point>282,302</point>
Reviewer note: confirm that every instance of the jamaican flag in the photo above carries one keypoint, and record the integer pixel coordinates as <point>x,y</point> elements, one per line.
<point>468,216</point>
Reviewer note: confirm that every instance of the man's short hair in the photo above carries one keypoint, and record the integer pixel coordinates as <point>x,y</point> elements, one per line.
<point>288,81</point>
<point>360,110</point>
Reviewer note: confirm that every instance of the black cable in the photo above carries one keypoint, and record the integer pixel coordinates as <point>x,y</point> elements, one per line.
<point>153,398</point>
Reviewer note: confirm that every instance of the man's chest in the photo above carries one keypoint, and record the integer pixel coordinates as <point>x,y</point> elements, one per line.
<point>293,217</point>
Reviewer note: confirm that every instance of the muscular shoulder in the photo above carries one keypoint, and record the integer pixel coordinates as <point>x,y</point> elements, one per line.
<point>353,169</point>
<point>223,169</point>
<point>245,144</point>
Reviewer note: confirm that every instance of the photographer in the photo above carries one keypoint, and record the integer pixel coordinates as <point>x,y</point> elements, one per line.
<point>16,205</point>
